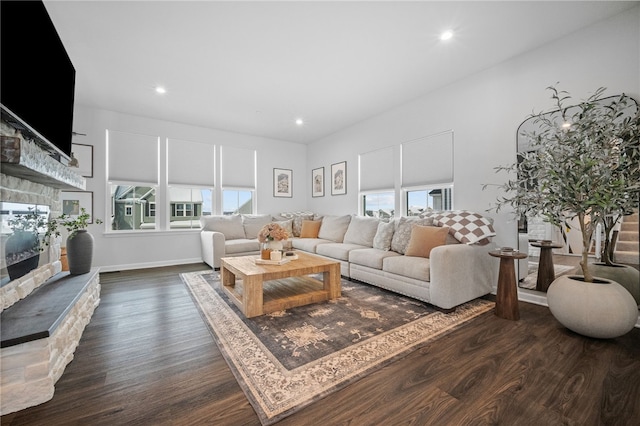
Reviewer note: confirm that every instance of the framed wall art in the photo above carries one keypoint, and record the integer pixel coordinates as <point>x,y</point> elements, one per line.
<point>84,156</point>
<point>74,201</point>
<point>282,183</point>
<point>317,182</point>
<point>339,178</point>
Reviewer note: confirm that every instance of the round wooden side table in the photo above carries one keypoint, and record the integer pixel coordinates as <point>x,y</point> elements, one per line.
<point>507,293</point>
<point>546,273</point>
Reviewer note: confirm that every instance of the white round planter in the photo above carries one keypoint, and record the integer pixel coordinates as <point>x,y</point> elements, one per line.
<point>602,309</point>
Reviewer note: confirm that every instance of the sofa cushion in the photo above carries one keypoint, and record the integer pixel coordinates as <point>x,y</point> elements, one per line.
<point>297,218</point>
<point>370,257</point>
<point>402,234</point>
<point>334,227</point>
<point>384,235</point>
<point>310,228</point>
<point>466,226</point>
<point>241,245</point>
<point>361,230</point>
<point>308,244</point>
<point>424,239</point>
<point>254,223</point>
<point>418,268</point>
<point>287,225</point>
<point>337,250</point>
<point>231,225</point>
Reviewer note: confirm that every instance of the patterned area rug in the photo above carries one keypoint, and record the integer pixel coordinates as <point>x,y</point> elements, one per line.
<point>287,360</point>
<point>529,282</point>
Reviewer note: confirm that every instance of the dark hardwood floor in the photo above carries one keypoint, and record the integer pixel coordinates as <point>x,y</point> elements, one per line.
<point>148,358</point>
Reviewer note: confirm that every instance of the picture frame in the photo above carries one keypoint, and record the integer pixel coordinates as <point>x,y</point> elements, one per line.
<point>317,182</point>
<point>283,183</point>
<point>84,154</point>
<point>339,178</point>
<point>73,201</point>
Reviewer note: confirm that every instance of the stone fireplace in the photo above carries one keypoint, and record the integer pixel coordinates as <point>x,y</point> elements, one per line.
<point>44,312</point>
<point>30,175</point>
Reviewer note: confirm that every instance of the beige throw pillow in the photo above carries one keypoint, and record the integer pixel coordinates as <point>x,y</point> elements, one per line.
<point>310,228</point>
<point>424,239</point>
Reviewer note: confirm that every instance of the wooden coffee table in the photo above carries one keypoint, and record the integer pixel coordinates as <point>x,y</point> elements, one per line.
<point>271,288</point>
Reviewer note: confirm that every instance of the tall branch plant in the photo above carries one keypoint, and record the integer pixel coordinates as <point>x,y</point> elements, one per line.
<point>582,164</point>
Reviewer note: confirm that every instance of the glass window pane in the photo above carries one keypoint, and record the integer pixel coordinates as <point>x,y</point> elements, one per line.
<point>237,201</point>
<point>421,200</point>
<point>185,205</point>
<point>379,204</point>
<point>131,207</point>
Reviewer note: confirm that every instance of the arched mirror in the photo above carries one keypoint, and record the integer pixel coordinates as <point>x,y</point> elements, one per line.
<point>552,250</point>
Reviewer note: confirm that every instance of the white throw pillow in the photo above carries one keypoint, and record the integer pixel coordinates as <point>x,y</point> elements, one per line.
<point>230,226</point>
<point>361,230</point>
<point>254,223</point>
<point>384,234</point>
<point>334,227</point>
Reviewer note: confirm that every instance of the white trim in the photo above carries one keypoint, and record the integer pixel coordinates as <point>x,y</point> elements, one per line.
<point>146,265</point>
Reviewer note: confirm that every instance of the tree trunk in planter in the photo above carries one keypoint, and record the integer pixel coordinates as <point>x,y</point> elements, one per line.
<point>80,252</point>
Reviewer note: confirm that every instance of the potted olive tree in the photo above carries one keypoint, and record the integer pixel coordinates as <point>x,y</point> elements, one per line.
<point>79,242</point>
<point>580,166</point>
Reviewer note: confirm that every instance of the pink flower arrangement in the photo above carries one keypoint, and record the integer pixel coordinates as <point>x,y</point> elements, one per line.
<point>272,231</point>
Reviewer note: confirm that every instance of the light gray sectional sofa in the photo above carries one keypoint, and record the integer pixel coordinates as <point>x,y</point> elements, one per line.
<point>375,252</point>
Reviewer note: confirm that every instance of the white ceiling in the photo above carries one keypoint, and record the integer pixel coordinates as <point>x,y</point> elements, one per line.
<point>254,67</point>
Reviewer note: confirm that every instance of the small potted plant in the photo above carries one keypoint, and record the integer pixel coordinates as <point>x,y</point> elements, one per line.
<point>79,242</point>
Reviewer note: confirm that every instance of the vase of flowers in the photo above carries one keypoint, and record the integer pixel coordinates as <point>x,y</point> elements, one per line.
<point>271,237</point>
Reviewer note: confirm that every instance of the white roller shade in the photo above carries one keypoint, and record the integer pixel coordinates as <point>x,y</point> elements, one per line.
<point>238,167</point>
<point>428,160</point>
<point>376,169</point>
<point>133,157</point>
<point>190,163</point>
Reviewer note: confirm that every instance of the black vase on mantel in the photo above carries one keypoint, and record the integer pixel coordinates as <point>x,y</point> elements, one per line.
<point>80,252</point>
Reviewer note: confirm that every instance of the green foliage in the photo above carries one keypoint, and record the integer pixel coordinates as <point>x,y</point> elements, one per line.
<point>71,224</point>
<point>582,163</point>
<point>29,223</point>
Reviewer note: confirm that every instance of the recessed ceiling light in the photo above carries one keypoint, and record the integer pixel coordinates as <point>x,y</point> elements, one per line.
<point>161,90</point>
<point>299,121</point>
<point>446,35</point>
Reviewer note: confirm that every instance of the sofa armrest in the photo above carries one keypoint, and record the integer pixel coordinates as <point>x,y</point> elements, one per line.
<point>461,272</point>
<point>213,248</point>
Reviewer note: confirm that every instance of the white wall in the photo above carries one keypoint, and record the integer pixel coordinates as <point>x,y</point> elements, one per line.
<point>484,112</point>
<point>115,251</point>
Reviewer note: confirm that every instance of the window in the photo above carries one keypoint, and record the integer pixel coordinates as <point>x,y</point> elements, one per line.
<point>133,207</point>
<point>379,204</point>
<point>237,201</point>
<point>436,198</point>
<point>187,205</point>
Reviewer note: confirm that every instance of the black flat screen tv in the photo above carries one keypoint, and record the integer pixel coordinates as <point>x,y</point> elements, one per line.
<point>37,76</point>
